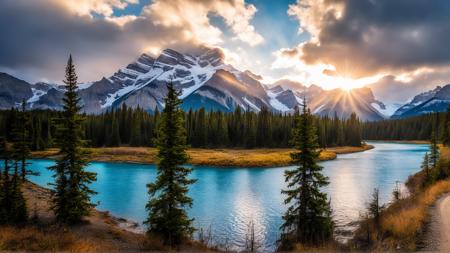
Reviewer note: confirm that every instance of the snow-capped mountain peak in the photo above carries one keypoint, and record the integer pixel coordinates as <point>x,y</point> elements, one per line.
<point>435,100</point>
<point>204,80</point>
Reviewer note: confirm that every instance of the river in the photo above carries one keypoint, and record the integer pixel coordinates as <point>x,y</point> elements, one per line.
<point>228,199</point>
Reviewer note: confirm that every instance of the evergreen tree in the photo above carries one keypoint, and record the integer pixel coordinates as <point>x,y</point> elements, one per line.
<point>375,207</point>
<point>168,195</point>
<point>71,195</point>
<point>21,136</point>
<point>5,193</point>
<point>13,208</point>
<point>434,150</point>
<point>18,213</point>
<point>308,217</point>
<point>115,135</point>
<point>426,166</point>
<point>446,131</point>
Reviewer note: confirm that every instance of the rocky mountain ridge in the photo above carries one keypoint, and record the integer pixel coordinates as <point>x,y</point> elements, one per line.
<point>204,80</point>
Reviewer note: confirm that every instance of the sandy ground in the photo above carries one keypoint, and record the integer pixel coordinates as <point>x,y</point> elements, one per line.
<point>99,225</point>
<point>100,232</point>
<point>437,231</point>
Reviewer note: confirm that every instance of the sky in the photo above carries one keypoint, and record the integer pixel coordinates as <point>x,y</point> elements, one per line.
<point>398,48</point>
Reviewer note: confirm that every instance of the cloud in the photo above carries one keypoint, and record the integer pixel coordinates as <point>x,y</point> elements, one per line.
<point>368,37</point>
<point>194,14</point>
<point>101,7</point>
<point>38,35</point>
<point>395,89</point>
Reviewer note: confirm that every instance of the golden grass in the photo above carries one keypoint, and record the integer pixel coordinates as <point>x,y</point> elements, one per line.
<point>330,247</point>
<point>214,157</point>
<point>404,219</point>
<point>36,239</point>
<point>407,217</point>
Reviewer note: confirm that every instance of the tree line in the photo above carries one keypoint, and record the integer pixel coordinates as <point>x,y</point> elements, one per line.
<point>204,129</point>
<point>412,128</point>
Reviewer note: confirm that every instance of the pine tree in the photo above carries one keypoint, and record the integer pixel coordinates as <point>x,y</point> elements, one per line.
<point>5,194</point>
<point>434,150</point>
<point>446,132</point>
<point>21,146</point>
<point>426,166</point>
<point>18,213</point>
<point>375,207</point>
<point>13,208</point>
<point>168,195</point>
<point>308,217</point>
<point>115,135</point>
<point>71,195</point>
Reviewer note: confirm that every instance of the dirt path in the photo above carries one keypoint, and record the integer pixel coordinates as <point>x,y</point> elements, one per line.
<point>437,231</point>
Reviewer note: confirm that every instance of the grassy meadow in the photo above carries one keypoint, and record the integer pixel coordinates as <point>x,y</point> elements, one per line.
<point>212,157</point>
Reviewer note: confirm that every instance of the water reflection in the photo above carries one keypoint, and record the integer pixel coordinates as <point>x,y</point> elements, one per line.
<point>227,199</point>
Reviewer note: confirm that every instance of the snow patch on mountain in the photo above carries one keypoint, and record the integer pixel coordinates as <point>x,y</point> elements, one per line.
<point>388,110</point>
<point>275,103</point>
<point>83,86</point>
<point>253,106</point>
<point>318,109</point>
<point>36,95</point>
<point>127,89</point>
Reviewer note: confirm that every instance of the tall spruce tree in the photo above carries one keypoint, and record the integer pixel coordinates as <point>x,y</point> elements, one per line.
<point>5,193</point>
<point>21,145</point>
<point>71,194</point>
<point>13,208</point>
<point>446,131</point>
<point>308,217</point>
<point>168,195</point>
<point>434,150</point>
<point>426,166</point>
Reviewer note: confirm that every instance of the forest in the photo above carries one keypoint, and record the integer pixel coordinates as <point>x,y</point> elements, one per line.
<point>412,128</point>
<point>214,129</point>
<point>205,129</point>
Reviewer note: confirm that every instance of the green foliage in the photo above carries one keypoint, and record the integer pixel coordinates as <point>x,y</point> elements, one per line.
<point>168,195</point>
<point>425,166</point>
<point>308,217</point>
<point>446,130</point>
<point>434,150</point>
<point>374,208</point>
<point>412,128</point>
<point>21,145</point>
<point>71,193</point>
<point>13,208</point>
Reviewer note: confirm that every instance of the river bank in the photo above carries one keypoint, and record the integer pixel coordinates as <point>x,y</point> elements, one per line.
<point>211,157</point>
<point>410,223</point>
<point>100,232</point>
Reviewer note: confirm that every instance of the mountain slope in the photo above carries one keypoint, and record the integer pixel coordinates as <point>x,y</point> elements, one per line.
<point>436,100</point>
<point>13,91</point>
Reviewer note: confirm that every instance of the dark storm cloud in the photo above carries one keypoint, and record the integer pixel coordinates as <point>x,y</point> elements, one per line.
<point>372,36</point>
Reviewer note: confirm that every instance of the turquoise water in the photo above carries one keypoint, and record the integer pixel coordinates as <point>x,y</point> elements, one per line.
<point>228,199</point>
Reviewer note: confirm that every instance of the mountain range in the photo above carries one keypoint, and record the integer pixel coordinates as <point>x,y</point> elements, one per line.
<point>205,80</point>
